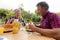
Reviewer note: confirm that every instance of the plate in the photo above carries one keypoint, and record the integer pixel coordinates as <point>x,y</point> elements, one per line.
<point>7,31</point>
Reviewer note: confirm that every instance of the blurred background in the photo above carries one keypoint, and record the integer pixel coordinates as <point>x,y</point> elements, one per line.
<point>27,7</point>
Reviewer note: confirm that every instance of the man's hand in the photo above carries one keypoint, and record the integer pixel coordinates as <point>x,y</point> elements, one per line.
<point>31,25</point>
<point>47,32</point>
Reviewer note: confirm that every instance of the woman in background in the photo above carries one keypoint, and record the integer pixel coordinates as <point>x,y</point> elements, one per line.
<point>17,16</point>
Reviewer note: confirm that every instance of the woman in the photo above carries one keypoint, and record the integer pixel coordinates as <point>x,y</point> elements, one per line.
<point>17,16</point>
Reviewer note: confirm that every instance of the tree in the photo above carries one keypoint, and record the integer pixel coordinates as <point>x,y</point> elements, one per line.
<point>35,18</point>
<point>5,14</point>
<point>25,15</point>
<point>2,13</point>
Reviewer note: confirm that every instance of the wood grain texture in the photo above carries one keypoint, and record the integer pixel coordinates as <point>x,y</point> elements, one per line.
<point>23,35</point>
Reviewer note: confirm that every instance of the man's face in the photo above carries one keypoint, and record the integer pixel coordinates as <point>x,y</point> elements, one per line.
<point>41,10</point>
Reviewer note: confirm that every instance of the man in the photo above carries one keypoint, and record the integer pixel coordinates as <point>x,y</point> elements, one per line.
<point>17,16</point>
<point>50,23</point>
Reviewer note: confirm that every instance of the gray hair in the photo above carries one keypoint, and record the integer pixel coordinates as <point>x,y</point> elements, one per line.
<point>18,10</point>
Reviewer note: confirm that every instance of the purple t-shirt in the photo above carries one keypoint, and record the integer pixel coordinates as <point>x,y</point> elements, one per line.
<point>50,20</point>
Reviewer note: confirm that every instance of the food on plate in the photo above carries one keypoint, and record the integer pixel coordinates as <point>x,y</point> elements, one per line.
<point>8,26</point>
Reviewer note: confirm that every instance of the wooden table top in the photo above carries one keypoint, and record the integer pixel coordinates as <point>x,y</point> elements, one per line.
<point>24,35</point>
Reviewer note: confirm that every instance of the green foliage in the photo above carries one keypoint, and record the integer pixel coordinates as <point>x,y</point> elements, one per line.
<point>2,13</point>
<point>35,18</point>
<point>26,15</point>
<point>5,14</point>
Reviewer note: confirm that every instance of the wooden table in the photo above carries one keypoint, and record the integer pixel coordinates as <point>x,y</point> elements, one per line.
<point>24,35</point>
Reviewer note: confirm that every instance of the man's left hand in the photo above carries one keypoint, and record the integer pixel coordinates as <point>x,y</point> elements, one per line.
<point>31,25</point>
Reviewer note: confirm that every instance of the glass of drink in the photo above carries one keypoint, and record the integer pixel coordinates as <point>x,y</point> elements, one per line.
<point>15,30</point>
<point>1,30</point>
